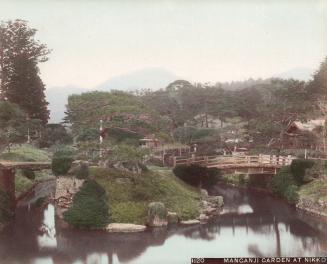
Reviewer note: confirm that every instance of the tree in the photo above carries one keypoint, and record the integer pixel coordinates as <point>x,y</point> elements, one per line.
<point>118,110</point>
<point>20,82</point>
<point>318,86</point>
<point>12,121</point>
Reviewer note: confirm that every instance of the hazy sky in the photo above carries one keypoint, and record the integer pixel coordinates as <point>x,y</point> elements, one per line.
<point>93,41</point>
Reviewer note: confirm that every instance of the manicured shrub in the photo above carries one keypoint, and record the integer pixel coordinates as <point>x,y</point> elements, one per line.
<point>28,174</point>
<point>62,161</point>
<point>90,207</point>
<point>196,175</point>
<point>82,172</point>
<point>298,168</point>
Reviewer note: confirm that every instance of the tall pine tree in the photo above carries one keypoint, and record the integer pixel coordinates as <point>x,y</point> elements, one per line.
<point>20,82</point>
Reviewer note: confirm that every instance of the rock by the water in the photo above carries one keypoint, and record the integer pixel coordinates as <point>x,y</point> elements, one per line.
<point>204,193</point>
<point>190,222</point>
<point>204,203</point>
<point>217,201</point>
<point>125,228</point>
<point>172,218</point>
<point>157,214</point>
<point>203,217</point>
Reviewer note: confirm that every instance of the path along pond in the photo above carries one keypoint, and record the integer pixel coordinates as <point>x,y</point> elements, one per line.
<point>251,224</point>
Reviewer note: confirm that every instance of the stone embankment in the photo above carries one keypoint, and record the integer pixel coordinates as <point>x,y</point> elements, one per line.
<point>210,206</point>
<point>65,191</point>
<point>311,206</point>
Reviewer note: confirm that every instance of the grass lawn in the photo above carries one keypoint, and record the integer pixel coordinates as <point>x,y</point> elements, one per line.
<point>314,190</point>
<point>25,153</point>
<point>129,194</point>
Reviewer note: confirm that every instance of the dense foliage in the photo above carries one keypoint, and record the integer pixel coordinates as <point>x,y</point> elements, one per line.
<point>198,176</point>
<point>298,169</point>
<point>82,172</point>
<point>62,160</point>
<point>287,181</point>
<point>118,110</point>
<point>54,134</point>
<point>90,207</point>
<point>20,81</point>
<point>283,184</point>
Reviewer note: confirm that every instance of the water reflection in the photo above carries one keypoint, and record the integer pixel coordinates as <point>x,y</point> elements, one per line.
<point>252,224</point>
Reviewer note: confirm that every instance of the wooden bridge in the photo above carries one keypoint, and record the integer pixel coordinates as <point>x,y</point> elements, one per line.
<point>259,164</point>
<point>7,175</point>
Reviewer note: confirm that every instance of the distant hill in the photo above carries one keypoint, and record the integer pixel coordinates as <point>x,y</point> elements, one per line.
<point>300,73</point>
<point>152,78</point>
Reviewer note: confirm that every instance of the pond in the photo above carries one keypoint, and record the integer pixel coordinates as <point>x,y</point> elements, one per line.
<point>251,224</point>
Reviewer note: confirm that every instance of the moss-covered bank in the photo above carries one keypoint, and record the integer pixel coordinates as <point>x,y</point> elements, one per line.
<point>130,194</point>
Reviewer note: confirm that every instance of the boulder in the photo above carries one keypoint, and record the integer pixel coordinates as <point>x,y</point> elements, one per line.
<point>172,218</point>
<point>203,218</point>
<point>209,210</point>
<point>204,193</point>
<point>190,222</point>
<point>216,201</point>
<point>157,214</point>
<point>125,228</point>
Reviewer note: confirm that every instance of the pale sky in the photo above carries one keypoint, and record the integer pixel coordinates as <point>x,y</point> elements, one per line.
<point>93,41</point>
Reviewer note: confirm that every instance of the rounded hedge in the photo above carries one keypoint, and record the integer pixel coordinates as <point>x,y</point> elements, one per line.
<point>62,161</point>
<point>90,208</point>
<point>82,171</point>
<point>298,168</point>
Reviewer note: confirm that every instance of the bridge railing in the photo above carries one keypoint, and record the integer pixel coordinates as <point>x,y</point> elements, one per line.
<point>237,160</point>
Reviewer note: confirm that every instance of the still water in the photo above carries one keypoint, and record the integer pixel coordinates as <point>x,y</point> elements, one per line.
<point>251,224</point>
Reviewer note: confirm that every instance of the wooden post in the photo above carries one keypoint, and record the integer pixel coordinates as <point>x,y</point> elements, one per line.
<point>7,185</point>
<point>206,160</point>
<point>305,153</point>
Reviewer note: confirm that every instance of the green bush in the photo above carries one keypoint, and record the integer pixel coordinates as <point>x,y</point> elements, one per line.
<point>62,161</point>
<point>298,168</point>
<point>54,134</point>
<point>284,184</point>
<point>29,174</point>
<point>82,171</point>
<point>282,180</point>
<point>196,175</point>
<point>291,193</point>
<point>156,209</point>
<point>90,208</point>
